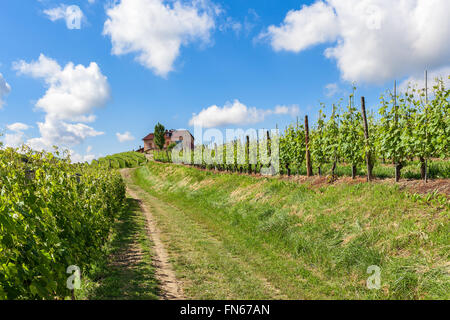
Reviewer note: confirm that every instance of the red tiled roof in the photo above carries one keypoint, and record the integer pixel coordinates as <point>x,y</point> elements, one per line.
<point>149,137</point>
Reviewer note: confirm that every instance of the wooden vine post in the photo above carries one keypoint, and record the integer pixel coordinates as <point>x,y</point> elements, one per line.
<point>366,136</point>
<point>247,155</point>
<point>425,171</point>
<point>397,162</point>
<point>309,170</point>
<point>269,151</point>
<point>216,164</point>
<point>257,154</point>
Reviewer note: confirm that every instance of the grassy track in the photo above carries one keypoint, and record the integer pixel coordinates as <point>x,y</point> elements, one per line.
<point>203,263</point>
<point>127,271</point>
<point>242,237</point>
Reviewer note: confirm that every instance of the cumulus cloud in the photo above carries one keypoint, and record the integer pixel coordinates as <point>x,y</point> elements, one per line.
<point>236,113</point>
<point>304,28</point>
<point>15,138</point>
<point>418,80</point>
<point>5,88</point>
<point>78,158</point>
<point>292,110</point>
<point>73,90</point>
<point>371,40</point>
<point>123,137</point>
<point>18,126</point>
<point>155,29</point>
<point>331,89</point>
<point>72,95</point>
<point>71,14</point>
<point>60,133</point>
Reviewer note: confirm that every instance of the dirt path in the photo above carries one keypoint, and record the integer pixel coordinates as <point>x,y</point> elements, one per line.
<point>170,287</point>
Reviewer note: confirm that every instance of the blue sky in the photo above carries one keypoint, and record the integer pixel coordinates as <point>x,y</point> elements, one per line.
<point>248,57</point>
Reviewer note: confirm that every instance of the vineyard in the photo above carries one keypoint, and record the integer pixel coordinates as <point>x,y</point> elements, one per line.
<point>121,160</point>
<point>53,214</point>
<point>410,132</point>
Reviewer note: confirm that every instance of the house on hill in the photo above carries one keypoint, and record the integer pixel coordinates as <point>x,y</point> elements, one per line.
<point>170,136</point>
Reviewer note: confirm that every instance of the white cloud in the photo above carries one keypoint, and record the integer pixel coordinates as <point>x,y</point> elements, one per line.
<point>71,14</point>
<point>73,91</point>
<point>18,126</point>
<point>304,28</point>
<point>372,40</point>
<point>78,158</point>
<point>60,133</point>
<point>5,88</point>
<point>13,140</point>
<point>250,21</point>
<point>236,113</point>
<point>331,89</point>
<point>73,94</point>
<point>292,110</point>
<point>155,30</point>
<point>418,80</point>
<point>231,24</point>
<point>16,138</point>
<point>123,137</point>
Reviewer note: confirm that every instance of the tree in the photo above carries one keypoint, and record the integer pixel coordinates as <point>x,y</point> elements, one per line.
<point>159,136</point>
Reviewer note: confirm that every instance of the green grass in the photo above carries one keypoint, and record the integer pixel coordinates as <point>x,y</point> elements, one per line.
<point>242,237</point>
<point>126,272</point>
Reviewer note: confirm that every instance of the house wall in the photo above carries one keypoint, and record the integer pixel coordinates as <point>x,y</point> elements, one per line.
<point>185,137</point>
<point>170,137</point>
<point>149,145</point>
